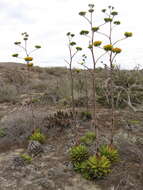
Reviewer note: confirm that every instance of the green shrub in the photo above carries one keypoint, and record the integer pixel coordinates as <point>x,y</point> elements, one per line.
<point>38,136</point>
<point>134,122</point>
<point>95,167</point>
<point>79,154</point>
<point>26,158</point>
<point>109,152</point>
<point>88,138</point>
<point>85,115</point>
<point>2,132</point>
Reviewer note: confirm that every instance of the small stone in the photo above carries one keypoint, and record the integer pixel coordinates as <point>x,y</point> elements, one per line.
<point>35,148</point>
<point>18,162</point>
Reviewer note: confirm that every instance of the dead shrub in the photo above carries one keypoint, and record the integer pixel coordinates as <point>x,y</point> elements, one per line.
<point>18,127</point>
<point>8,93</point>
<point>15,77</point>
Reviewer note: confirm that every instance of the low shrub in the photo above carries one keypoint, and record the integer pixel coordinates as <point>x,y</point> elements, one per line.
<point>81,101</point>
<point>88,138</point>
<point>38,85</point>
<point>8,93</point>
<point>38,136</point>
<point>78,154</point>
<point>16,77</point>
<point>85,115</point>
<point>2,132</point>
<point>109,152</point>
<point>26,158</point>
<point>60,120</point>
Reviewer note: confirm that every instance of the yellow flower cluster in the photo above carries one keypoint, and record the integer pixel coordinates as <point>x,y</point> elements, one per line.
<point>97,43</point>
<point>30,64</point>
<point>128,34</point>
<point>116,50</point>
<point>109,47</point>
<point>28,58</point>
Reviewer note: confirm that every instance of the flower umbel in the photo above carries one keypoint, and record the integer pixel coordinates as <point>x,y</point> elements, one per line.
<point>28,58</point>
<point>116,50</point>
<point>108,47</point>
<point>128,34</point>
<point>97,43</point>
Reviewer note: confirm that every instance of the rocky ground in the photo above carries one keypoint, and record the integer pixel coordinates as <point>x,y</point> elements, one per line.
<point>52,169</point>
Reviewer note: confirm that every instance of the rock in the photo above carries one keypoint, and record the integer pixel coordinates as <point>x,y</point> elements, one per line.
<point>46,183</point>
<point>35,148</point>
<point>18,162</point>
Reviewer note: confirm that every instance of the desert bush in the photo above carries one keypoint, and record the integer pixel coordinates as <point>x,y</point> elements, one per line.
<point>125,81</point>
<point>88,138</point>
<point>38,136</point>
<point>60,120</point>
<point>38,85</point>
<point>18,127</point>
<point>49,98</point>
<point>81,101</point>
<point>8,93</point>
<point>26,158</point>
<point>109,152</point>
<point>78,154</point>
<point>56,71</point>
<point>15,77</point>
<point>85,115</point>
<point>2,132</point>
<point>37,69</point>
<point>64,102</point>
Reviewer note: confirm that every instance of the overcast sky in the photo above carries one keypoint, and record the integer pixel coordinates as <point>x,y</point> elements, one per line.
<point>47,23</point>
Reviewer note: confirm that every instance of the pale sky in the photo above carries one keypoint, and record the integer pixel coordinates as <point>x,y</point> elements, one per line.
<point>47,23</point>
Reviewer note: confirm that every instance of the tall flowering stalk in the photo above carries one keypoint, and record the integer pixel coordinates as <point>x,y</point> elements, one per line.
<point>24,46</point>
<point>113,51</point>
<point>93,46</point>
<point>73,50</point>
<point>28,59</point>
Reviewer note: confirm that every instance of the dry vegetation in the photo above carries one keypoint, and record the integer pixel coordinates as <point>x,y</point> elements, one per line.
<point>28,104</point>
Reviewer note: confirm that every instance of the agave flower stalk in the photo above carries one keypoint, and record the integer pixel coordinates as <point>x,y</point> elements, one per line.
<point>73,50</point>
<point>24,47</point>
<point>88,16</point>
<point>113,51</point>
<point>27,59</point>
